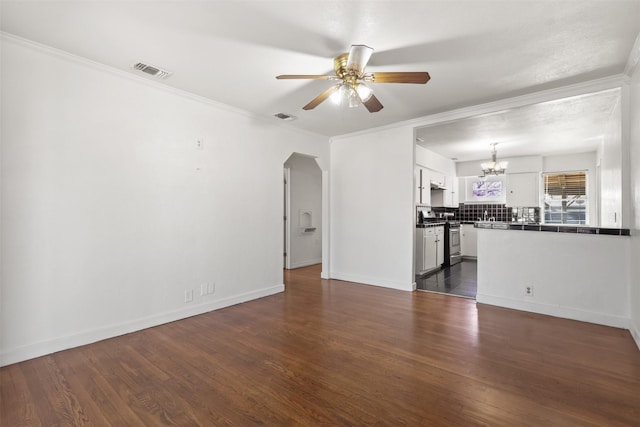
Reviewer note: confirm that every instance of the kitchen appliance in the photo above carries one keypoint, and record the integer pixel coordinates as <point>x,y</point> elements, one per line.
<point>452,250</point>
<point>425,215</point>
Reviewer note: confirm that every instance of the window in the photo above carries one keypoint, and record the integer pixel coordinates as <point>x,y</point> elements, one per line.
<point>565,198</point>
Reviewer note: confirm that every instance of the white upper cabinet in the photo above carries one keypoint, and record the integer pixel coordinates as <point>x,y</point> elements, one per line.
<point>447,198</point>
<point>437,178</point>
<point>523,189</point>
<point>423,186</point>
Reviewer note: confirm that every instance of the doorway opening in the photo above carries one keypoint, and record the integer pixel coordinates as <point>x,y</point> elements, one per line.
<point>302,212</point>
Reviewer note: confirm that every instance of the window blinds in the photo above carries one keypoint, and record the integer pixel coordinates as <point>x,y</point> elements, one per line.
<point>565,184</point>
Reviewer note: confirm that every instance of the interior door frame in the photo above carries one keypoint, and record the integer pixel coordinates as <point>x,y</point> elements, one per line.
<point>287,219</point>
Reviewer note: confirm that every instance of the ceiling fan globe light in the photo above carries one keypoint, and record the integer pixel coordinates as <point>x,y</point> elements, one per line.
<point>338,95</point>
<point>364,92</point>
<point>352,98</point>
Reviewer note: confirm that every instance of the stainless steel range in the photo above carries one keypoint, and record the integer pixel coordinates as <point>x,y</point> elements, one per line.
<point>452,250</point>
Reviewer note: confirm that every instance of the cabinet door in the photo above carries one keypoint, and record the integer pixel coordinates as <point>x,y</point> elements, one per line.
<point>419,251</point>
<point>437,178</point>
<point>426,188</point>
<point>423,190</point>
<point>469,240</point>
<point>451,193</point>
<point>430,248</point>
<point>439,240</point>
<point>418,185</point>
<point>523,189</point>
<point>462,190</point>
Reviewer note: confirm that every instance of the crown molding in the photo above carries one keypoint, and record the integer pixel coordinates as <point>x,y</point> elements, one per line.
<point>48,50</point>
<point>633,59</point>
<point>591,86</point>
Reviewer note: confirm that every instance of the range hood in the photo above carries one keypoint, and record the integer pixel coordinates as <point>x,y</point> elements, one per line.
<point>437,186</point>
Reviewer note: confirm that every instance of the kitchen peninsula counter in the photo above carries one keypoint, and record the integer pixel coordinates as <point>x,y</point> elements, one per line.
<point>496,225</point>
<point>574,272</point>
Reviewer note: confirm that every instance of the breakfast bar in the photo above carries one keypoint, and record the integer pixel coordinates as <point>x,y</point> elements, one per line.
<point>565,271</point>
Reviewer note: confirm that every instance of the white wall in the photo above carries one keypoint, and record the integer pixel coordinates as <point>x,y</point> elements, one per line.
<point>434,161</point>
<point>633,123</point>
<point>305,198</point>
<point>372,208</point>
<point>110,212</point>
<point>610,159</point>
<point>516,165</point>
<point>575,276</point>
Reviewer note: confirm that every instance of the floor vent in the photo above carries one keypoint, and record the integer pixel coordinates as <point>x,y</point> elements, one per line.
<point>152,70</point>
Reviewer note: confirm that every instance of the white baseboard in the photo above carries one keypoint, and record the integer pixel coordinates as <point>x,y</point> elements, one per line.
<point>31,351</point>
<point>372,281</point>
<point>306,263</point>
<point>635,332</point>
<point>556,311</point>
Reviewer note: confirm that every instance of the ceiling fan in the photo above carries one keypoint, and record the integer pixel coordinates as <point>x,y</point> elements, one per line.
<point>349,68</point>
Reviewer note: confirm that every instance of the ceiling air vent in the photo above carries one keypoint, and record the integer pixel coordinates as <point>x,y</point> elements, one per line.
<point>283,116</point>
<point>152,70</point>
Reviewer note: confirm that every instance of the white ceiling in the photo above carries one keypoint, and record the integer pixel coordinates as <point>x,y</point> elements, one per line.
<point>575,124</point>
<point>231,51</point>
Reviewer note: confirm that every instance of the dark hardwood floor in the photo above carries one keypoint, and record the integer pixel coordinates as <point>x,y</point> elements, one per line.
<point>336,353</point>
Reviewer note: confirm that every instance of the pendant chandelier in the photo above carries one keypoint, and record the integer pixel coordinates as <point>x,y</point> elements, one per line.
<point>493,167</point>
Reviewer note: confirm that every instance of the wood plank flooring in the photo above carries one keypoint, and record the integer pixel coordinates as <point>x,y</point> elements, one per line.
<point>335,353</point>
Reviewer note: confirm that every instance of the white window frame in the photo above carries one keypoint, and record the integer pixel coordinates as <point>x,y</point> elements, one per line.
<point>564,213</point>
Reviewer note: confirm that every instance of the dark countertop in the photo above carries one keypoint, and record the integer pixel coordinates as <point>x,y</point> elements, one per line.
<point>431,224</point>
<point>553,228</point>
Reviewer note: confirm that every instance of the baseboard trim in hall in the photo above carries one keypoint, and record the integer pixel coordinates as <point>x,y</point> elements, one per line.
<point>365,280</point>
<point>635,332</point>
<point>43,348</point>
<point>306,263</point>
<point>557,311</point>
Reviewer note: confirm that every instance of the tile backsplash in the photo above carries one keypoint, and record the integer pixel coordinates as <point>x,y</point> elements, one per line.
<point>497,212</point>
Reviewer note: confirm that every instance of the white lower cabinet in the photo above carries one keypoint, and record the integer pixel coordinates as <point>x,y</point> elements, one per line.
<point>429,248</point>
<point>469,240</point>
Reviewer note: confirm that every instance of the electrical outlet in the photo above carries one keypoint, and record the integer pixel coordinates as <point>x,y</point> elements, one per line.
<point>200,144</point>
<point>188,295</point>
<point>528,290</point>
<point>212,288</point>
<point>203,289</point>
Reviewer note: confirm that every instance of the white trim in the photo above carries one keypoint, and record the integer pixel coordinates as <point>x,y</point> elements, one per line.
<point>635,332</point>
<point>287,222</point>
<point>591,86</point>
<point>4,36</point>
<point>305,263</point>
<point>326,224</point>
<point>556,311</point>
<point>633,58</point>
<point>364,280</point>
<point>42,348</point>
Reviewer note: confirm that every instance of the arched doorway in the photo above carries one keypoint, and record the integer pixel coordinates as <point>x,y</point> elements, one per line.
<point>302,212</point>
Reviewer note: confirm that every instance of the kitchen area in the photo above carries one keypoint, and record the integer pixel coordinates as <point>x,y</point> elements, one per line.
<point>523,209</point>
<point>447,210</point>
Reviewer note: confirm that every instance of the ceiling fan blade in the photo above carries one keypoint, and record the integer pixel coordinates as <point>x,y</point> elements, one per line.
<point>323,96</point>
<point>399,77</point>
<point>372,104</point>
<point>358,57</point>
<point>305,76</point>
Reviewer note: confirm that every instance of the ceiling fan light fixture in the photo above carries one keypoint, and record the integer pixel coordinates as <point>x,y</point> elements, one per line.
<point>352,99</point>
<point>364,92</point>
<point>337,96</point>
<point>345,95</point>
